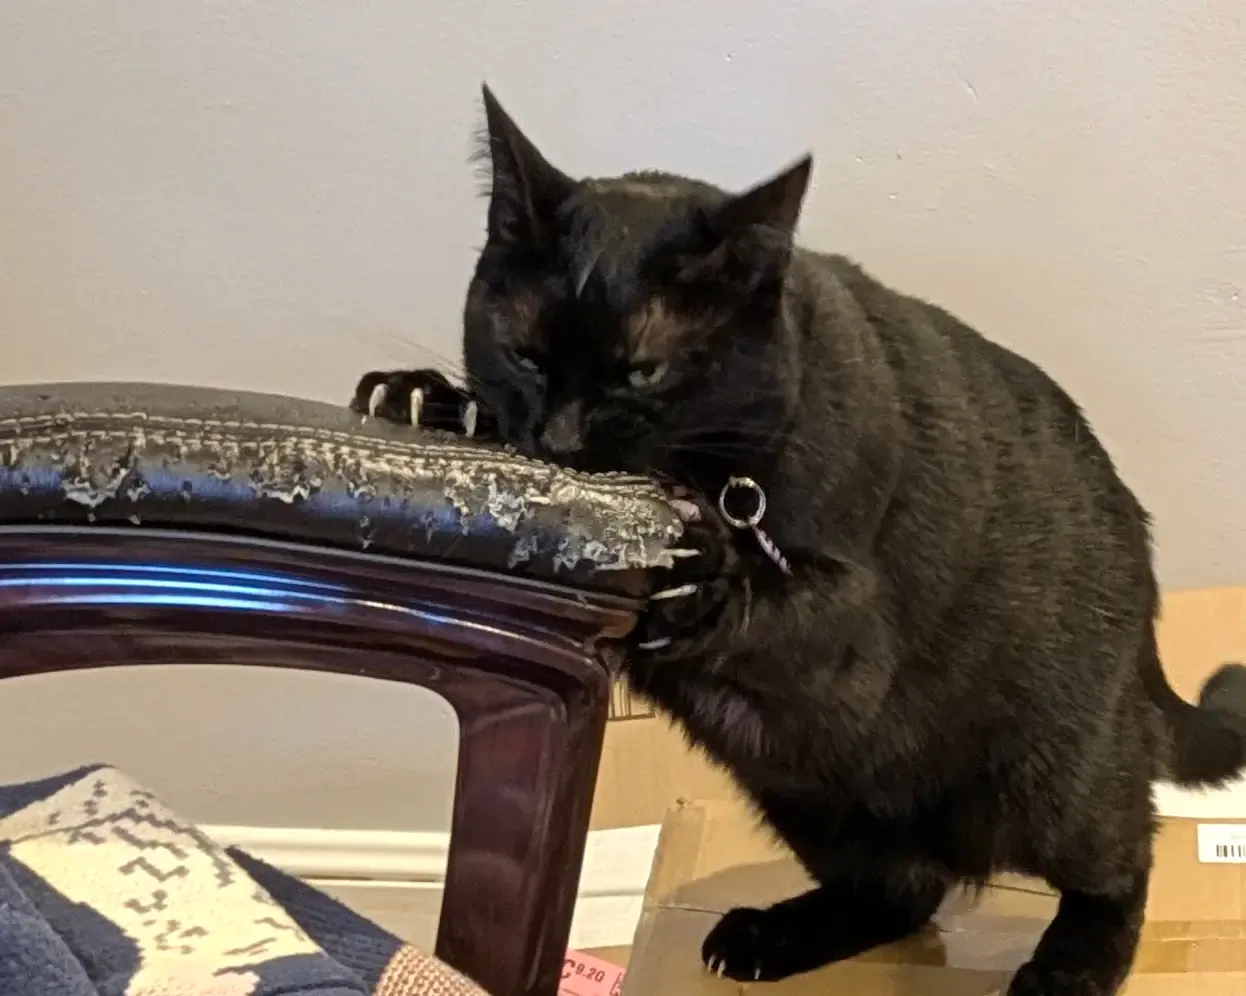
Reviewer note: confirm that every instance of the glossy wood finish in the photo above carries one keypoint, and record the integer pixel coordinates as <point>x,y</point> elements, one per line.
<point>516,660</point>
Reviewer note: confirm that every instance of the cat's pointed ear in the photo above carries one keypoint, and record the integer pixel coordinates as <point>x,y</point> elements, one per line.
<point>524,189</point>
<point>745,242</point>
<point>773,204</point>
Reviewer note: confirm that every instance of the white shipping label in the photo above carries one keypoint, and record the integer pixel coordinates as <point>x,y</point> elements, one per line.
<point>1222,843</point>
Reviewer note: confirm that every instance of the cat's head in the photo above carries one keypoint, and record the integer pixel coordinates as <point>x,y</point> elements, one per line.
<point>635,322</point>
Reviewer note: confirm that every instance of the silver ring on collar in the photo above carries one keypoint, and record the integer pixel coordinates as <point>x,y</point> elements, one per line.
<point>752,520</point>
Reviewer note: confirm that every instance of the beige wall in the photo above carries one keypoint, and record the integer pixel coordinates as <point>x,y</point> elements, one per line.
<point>273,195</point>
<point>244,746</point>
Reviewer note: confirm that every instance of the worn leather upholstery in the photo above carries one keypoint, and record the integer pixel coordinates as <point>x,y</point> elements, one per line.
<point>156,456</point>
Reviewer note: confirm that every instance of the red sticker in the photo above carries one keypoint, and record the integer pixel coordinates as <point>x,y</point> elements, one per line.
<point>584,975</point>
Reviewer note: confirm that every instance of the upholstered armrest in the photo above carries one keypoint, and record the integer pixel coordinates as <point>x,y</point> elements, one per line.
<point>195,458</point>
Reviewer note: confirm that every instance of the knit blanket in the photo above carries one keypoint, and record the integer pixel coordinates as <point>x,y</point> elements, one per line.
<point>104,891</point>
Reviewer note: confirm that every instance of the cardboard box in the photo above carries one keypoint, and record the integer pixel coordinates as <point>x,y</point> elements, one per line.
<point>646,767</point>
<point>712,857</point>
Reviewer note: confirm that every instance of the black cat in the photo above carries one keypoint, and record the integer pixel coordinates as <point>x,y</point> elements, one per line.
<point>940,662</point>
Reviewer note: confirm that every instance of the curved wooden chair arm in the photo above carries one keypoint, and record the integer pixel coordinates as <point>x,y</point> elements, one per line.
<point>144,524</point>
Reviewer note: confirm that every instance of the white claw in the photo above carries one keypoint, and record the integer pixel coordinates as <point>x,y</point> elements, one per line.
<point>682,591</point>
<point>721,972</point>
<point>377,398</point>
<point>417,405</point>
<point>655,644</point>
<point>757,974</point>
<point>689,511</point>
<point>470,414</point>
<point>711,966</point>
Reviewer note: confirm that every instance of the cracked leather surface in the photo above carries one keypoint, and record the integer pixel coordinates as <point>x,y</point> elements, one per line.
<point>195,458</point>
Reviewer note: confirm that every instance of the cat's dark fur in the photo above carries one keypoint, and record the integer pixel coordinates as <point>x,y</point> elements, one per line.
<point>960,675</point>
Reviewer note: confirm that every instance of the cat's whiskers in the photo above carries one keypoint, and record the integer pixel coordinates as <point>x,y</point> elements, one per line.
<point>452,368</point>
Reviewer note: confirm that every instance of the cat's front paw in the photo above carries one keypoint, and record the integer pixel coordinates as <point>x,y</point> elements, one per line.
<point>749,945</point>
<point>687,615</point>
<point>416,397</point>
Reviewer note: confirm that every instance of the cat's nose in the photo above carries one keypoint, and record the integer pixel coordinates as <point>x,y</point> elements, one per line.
<point>564,431</point>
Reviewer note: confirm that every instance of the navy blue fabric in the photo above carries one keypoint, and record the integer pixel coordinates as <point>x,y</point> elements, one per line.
<point>51,943</point>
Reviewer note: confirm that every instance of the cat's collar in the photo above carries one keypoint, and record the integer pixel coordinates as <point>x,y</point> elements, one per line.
<point>742,503</point>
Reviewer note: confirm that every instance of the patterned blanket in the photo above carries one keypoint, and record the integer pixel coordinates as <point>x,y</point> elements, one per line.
<point>104,891</point>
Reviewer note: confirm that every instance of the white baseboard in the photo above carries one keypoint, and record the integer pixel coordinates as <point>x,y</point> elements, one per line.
<point>612,882</point>
<point>367,863</point>
<point>384,855</point>
<point>616,862</point>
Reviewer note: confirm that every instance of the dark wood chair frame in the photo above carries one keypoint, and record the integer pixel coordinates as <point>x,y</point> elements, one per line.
<point>520,662</point>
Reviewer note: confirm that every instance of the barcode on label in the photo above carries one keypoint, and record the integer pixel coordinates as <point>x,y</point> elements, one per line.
<point>1222,843</point>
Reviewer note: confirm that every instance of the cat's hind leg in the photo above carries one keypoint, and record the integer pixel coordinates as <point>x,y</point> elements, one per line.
<point>1089,947</point>
<point>1098,857</point>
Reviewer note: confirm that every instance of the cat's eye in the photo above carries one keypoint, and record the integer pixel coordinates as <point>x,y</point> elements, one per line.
<point>643,375</point>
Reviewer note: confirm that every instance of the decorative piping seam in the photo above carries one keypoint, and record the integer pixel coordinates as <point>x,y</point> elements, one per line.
<point>307,432</point>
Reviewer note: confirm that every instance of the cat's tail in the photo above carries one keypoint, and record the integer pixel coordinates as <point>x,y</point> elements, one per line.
<point>1209,739</point>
